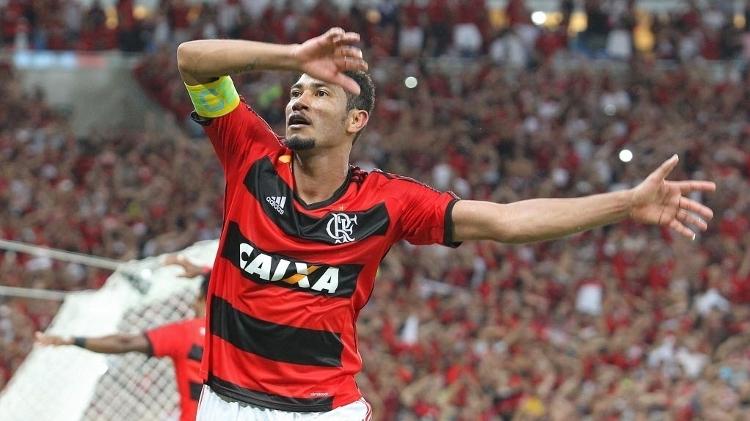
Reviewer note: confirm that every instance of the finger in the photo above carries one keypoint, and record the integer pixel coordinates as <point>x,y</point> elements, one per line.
<point>349,51</point>
<point>348,38</point>
<point>349,63</point>
<point>663,171</point>
<point>681,229</point>
<point>689,219</point>
<point>346,82</point>
<point>691,205</point>
<point>334,32</point>
<point>693,185</point>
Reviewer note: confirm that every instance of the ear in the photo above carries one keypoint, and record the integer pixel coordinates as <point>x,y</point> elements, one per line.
<point>357,121</point>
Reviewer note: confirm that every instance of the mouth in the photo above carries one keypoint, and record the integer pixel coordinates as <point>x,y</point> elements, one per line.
<point>298,121</point>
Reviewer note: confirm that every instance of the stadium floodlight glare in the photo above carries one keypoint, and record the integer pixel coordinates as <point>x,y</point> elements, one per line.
<point>539,17</point>
<point>626,155</point>
<point>411,82</point>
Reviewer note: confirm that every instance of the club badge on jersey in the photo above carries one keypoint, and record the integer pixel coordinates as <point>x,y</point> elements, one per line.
<point>341,226</point>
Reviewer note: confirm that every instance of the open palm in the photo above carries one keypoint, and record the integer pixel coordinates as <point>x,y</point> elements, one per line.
<point>660,202</point>
<point>328,56</point>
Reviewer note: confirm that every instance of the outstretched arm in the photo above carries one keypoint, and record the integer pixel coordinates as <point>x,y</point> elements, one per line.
<point>112,344</point>
<point>325,57</point>
<point>655,201</point>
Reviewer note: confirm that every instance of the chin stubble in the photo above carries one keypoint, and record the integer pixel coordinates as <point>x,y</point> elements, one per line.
<point>298,143</point>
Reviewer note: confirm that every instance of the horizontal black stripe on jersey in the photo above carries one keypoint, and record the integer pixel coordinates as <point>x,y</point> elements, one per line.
<point>274,341</point>
<point>231,250</point>
<point>195,390</point>
<point>195,353</point>
<point>262,181</point>
<point>234,392</point>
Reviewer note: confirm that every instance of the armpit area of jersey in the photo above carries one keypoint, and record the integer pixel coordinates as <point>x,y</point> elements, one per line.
<point>203,121</point>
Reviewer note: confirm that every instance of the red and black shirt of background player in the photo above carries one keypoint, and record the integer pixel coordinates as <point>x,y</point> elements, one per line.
<point>182,342</point>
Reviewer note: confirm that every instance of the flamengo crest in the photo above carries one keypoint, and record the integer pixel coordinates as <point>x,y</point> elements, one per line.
<point>340,227</point>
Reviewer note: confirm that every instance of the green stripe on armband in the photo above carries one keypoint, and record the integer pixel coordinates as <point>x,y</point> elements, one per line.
<point>214,99</point>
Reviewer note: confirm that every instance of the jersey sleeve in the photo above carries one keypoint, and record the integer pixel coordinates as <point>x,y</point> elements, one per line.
<point>235,130</point>
<point>426,216</point>
<point>165,341</point>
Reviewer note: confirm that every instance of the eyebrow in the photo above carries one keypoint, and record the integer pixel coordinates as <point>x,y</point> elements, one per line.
<point>313,85</point>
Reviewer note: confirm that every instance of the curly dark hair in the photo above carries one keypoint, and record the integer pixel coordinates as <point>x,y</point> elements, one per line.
<point>366,98</point>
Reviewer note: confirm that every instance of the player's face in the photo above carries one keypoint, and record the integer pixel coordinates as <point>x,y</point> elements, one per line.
<point>315,115</point>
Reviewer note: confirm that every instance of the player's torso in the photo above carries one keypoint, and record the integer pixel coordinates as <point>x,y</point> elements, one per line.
<point>187,366</point>
<point>288,284</point>
<point>278,244</point>
<point>194,337</point>
<point>290,279</point>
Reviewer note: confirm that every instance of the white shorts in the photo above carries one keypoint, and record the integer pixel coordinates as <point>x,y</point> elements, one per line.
<point>213,407</point>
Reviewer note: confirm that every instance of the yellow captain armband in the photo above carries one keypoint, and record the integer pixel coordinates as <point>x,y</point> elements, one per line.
<point>214,99</point>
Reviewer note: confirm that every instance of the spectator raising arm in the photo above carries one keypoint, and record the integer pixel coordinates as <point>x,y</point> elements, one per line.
<point>655,201</point>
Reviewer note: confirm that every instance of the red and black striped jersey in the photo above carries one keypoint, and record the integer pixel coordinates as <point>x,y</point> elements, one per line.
<point>182,342</point>
<point>290,278</point>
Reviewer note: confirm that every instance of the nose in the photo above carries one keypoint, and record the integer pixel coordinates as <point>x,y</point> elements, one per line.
<point>299,103</point>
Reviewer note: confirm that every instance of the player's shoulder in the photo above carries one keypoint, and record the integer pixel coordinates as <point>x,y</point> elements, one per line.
<point>171,326</point>
<point>371,179</point>
<point>184,331</point>
<point>397,182</point>
<point>197,322</point>
<point>179,325</point>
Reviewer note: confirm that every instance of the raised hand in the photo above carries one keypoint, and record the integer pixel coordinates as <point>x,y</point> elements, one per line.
<point>328,56</point>
<point>660,202</point>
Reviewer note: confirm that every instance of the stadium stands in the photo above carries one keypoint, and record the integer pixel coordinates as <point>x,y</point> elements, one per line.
<point>619,323</point>
<point>433,28</point>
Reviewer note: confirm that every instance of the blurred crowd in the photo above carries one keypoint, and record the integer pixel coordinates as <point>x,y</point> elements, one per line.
<point>405,28</point>
<point>621,323</point>
<point>624,322</point>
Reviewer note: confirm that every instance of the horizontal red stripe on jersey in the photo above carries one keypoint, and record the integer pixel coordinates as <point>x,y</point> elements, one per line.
<point>290,308</point>
<point>274,341</point>
<point>252,372</point>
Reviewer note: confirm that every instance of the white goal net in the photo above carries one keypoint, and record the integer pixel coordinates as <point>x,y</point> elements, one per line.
<point>71,384</point>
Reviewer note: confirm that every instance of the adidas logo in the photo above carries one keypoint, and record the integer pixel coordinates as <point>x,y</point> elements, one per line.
<point>277,202</point>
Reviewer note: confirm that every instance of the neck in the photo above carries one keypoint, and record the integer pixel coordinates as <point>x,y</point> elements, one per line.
<point>318,174</point>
